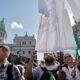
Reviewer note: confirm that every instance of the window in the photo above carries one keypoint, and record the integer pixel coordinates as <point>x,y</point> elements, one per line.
<point>17,52</point>
<point>24,43</point>
<point>23,52</point>
<point>29,52</point>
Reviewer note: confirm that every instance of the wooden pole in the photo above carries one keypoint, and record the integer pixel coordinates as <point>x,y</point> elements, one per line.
<point>61,58</point>
<point>62,75</point>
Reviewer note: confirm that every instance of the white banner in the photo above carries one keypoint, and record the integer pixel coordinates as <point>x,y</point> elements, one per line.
<point>75,6</point>
<point>42,34</point>
<point>68,41</point>
<point>77,2</point>
<point>51,35</point>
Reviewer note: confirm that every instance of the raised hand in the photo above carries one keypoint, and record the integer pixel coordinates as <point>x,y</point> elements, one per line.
<point>33,54</point>
<point>73,73</point>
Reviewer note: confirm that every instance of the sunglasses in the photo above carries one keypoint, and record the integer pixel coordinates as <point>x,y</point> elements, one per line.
<point>67,57</point>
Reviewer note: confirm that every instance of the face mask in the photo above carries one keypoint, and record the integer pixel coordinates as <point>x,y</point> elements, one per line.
<point>49,60</point>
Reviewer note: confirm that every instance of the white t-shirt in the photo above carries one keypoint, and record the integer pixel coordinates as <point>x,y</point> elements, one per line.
<point>37,73</point>
<point>68,73</point>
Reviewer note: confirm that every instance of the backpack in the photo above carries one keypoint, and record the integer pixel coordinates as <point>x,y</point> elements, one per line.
<point>49,75</point>
<point>9,72</point>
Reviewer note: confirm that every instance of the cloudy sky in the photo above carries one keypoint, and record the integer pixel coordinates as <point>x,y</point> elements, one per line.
<point>20,16</point>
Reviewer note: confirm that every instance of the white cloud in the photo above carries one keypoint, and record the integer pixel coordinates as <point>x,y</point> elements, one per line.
<point>16,25</point>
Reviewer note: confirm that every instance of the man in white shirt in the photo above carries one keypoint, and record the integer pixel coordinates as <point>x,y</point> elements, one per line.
<point>70,68</point>
<point>50,64</point>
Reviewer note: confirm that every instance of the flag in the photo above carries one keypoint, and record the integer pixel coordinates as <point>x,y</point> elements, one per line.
<point>52,34</point>
<point>68,41</point>
<point>77,2</point>
<point>75,7</point>
<point>41,43</point>
<point>78,48</point>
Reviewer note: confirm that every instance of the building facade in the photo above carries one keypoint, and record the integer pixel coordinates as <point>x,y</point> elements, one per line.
<point>22,48</point>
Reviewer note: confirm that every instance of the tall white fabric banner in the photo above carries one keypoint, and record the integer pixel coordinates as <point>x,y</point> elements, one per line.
<point>68,41</point>
<point>77,2</point>
<point>51,34</point>
<point>75,6</point>
<point>42,34</point>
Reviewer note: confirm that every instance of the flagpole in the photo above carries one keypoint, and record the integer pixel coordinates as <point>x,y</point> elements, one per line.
<point>60,67</point>
<point>61,57</point>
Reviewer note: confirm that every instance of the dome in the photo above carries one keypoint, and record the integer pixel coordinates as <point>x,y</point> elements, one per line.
<point>2,25</point>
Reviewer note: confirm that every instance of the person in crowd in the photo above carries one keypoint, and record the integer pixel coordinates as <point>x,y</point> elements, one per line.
<point>78,63</point>
<point>39,72</point>
<point>21,63</point>
<point>70,68</point>
<point>21,68</point>
<point>7,70</point>
<point>34,65</point>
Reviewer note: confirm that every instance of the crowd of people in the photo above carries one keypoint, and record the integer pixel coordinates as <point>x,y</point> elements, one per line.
<point>49,71</point>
